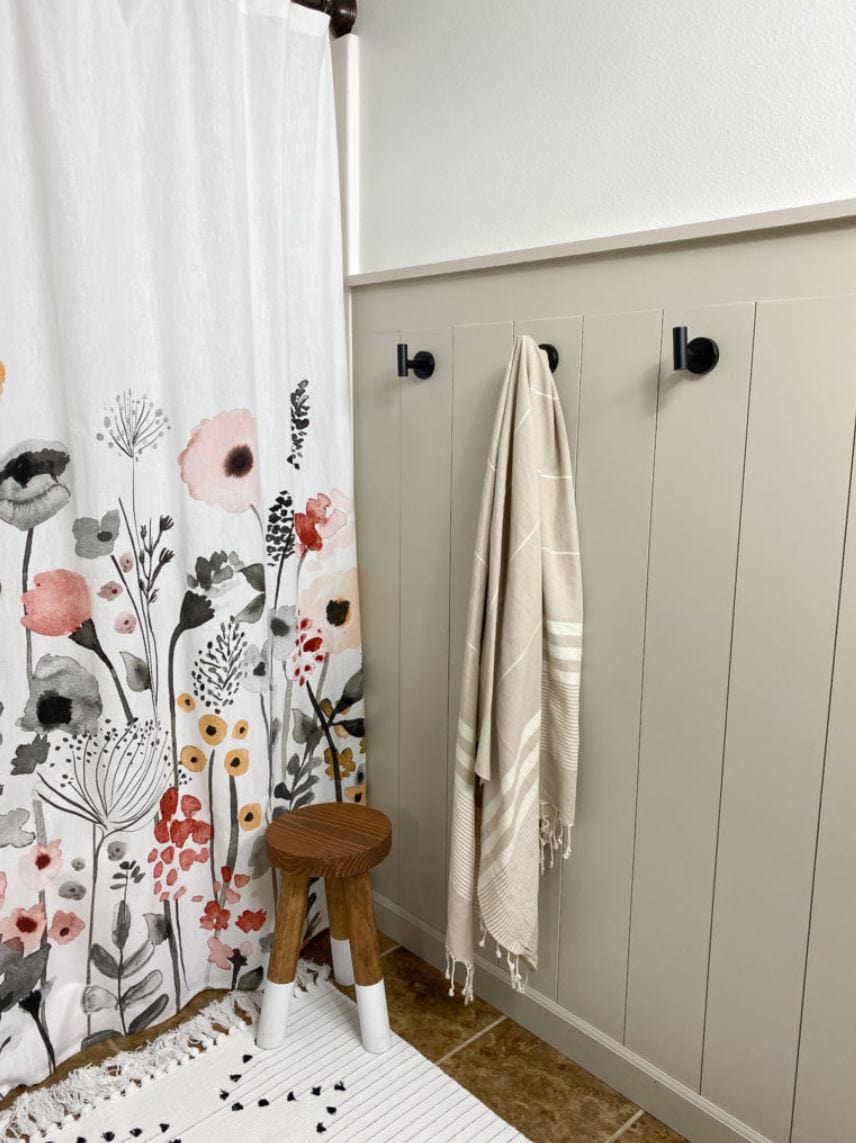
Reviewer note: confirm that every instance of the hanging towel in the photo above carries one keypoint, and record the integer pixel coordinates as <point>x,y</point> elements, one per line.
<point>516,756</point>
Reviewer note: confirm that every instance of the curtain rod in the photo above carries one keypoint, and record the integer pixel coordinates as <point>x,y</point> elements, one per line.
<point>342,13</point>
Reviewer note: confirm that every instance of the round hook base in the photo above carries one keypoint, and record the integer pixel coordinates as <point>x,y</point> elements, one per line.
<point>702,355</point>
<point>422,365</point>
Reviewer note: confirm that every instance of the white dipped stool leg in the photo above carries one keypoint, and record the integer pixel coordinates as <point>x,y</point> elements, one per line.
<point>282,965</point>
<point>374,1018</point>
<point>340,945</point>
<point>371,994</point>
<point>343,967</point>
<point>273,1022</point>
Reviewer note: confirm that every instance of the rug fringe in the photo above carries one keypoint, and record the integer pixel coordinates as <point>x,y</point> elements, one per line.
<point>36,1112</point>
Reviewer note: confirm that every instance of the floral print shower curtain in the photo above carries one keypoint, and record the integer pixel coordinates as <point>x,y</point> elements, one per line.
<point>178,592</point>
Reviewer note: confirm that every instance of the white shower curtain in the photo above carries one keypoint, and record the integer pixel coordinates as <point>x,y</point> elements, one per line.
<point>178,616</point>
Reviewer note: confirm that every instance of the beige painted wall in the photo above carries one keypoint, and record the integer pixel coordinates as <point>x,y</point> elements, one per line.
<point>695,949</point>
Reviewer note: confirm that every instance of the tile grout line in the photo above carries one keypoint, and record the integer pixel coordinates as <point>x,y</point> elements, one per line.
<point>619,1134</point>
<point>466,1043</point>
<point>386,952</point>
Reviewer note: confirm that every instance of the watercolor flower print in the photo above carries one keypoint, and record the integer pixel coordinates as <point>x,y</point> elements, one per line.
<point>186,671</point>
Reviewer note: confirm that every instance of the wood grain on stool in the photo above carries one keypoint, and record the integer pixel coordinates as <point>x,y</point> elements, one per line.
<point>288,934</point>
<point>337,908</point>
<point>329,840</point>
<point>362,930</point>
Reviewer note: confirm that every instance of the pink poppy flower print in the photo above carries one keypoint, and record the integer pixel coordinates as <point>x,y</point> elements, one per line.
<point>40,864</point>
<point>126,623</point>
<point>111,590</point>
<point>332,602</point>
<point>220,954</point>
<point>219,465</point>
<point>58,604</point>
<point>3,885</point>
<point>65,927</point>
<point>23,929</point>
<point>126,561</point>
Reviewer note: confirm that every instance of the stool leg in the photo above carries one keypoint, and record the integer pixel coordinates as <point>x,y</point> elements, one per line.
<point>337,907</point>
<point>371,994</point>
<point>282,966</point>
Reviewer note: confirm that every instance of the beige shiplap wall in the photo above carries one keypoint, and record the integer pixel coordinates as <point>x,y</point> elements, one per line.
<point>696,949</point>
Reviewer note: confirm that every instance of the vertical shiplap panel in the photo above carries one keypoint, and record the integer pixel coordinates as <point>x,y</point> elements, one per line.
<point>567,336</point>
<point>481,354</point>
<point>701,435</point>
<point>620,365</point>
<point>825,1111</point>
<point>377,498</point>
<point>792,531</point>
<point>426,463</point>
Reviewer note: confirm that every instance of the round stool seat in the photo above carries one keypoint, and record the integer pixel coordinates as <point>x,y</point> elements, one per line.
<point>329,840</point>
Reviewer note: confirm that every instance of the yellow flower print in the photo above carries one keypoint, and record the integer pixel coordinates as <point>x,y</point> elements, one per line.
<point>212,728</point>
<point>250,816</point>
<point>241,729</point>
<point>2,377</point>
<point>185,701</point>
<point>237,762</point>
<point>347,765</point>
<point>192,759</point>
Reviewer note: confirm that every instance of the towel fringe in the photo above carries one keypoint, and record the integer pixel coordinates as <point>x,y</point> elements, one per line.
<point>554,835</point>
<point>36,1113</point>
<point>469,970</point>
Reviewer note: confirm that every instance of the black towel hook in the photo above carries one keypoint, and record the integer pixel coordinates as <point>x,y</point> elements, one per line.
<point>552,355</point>
<point>422,364</point>
<point>698,356</point>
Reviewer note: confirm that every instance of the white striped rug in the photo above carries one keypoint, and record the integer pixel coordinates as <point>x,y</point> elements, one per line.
<point>207,1081</point>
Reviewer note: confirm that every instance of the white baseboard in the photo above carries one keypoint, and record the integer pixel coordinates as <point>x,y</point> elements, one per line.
<point>683,1109</point>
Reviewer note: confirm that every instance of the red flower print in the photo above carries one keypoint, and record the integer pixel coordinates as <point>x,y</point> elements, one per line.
<point>241,879</point>
<point>58,604</point>
<point>308,653</point>
<point>125,623</point>
<point>111,590</point>
<point>65,927</point>
<point>214,917</point>
<point>169,802</point>
<point>173,834</point>
<point>23,928</point>
<point>40,865</point>
<point>190,805</point>
<point>250,922</point>
<point>307,524</point>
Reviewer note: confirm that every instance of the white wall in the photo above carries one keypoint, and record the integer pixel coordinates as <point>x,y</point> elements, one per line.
<point>490,125</point>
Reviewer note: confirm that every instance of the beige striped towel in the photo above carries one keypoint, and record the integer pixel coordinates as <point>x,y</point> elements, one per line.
<point>516,757</point>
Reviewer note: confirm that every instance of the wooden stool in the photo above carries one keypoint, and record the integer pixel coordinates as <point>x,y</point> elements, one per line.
<point>340,843</point>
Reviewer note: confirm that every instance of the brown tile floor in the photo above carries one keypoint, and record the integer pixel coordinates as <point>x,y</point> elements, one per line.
<point>542,1093</point>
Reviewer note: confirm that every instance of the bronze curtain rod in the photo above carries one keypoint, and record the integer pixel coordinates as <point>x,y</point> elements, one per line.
<point>342,13</point>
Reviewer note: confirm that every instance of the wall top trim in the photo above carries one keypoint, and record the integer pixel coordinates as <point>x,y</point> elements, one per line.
<point>838,211</point>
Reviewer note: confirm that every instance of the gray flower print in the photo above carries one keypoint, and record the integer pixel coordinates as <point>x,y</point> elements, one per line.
<point>63,696</point>
<point>96,537</point>
<point>30,487</point>
<point>12,830</point>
